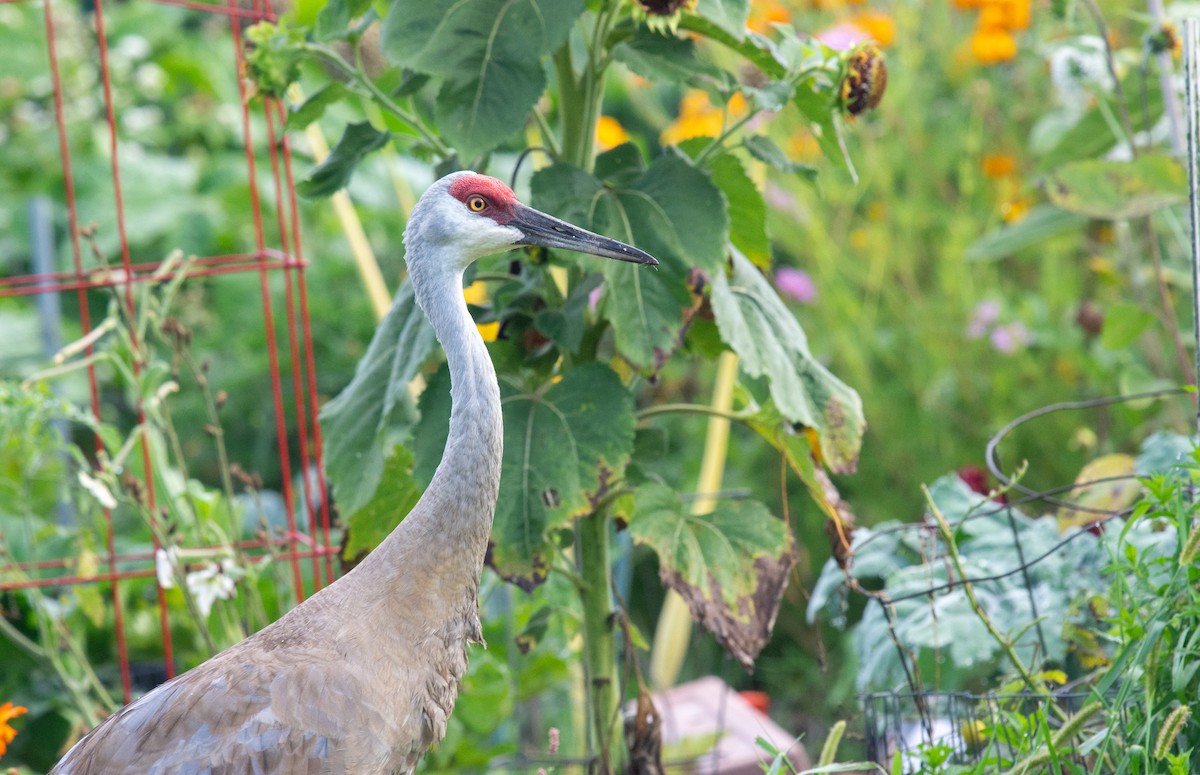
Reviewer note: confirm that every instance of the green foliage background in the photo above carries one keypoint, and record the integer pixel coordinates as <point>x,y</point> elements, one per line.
<point>902,259</point>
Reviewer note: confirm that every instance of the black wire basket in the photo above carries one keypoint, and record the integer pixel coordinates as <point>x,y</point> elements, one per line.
<point>930,730</point>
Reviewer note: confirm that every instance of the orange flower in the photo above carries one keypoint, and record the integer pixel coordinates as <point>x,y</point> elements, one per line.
<point>8,711</point>
<point>610,133</point>
<point>998,165</point>
<point>879,26</point>
<point>765,14</point>
<point>1004,14</point>
<point>992,46</point>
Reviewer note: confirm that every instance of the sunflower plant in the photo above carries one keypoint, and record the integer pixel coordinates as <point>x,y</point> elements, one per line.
<point>576,345</point>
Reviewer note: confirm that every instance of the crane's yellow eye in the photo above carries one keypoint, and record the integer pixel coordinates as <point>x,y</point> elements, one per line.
<point>477,203</point>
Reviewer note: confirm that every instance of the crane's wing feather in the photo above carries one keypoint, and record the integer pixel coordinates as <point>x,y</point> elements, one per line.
<point>233,716</point>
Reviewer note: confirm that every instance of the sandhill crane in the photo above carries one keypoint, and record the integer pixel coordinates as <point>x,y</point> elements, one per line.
<point>362,676</point>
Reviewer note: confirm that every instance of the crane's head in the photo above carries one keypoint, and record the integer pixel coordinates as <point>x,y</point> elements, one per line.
<point>468,216</point>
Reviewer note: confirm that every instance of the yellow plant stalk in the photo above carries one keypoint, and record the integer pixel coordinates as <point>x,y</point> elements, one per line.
<point>674,629</point>
<point>364,256</point>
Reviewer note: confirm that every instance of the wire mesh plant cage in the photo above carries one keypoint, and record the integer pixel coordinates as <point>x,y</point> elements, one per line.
<point>927,728</point>
<point>934,728</point>
<point>97,258</point>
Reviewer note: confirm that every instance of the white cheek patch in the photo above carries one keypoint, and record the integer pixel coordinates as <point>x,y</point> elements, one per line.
<point>482,236</point>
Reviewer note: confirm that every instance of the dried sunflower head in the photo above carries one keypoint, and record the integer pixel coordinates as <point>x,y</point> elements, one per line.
<point>665,7</point>
<point>865,80</point>
<point>661,15</point>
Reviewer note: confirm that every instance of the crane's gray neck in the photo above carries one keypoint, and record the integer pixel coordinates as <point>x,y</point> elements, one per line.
<point>455,513</point>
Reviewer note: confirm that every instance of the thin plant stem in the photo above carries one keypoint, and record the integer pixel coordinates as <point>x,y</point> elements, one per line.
<point>1110,63</point>
<point>18,639</point>
<point>969,590</point>
<point>547,134</point>
<point>360,78</point>
<point>654,411</point>
<point>1170,321</point>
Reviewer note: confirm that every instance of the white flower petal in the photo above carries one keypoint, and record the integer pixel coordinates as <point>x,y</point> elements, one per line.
<point>166,561</point>
<point>97,490</point>
<point>210,584</point>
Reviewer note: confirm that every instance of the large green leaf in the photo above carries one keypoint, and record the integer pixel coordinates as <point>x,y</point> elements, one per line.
<point>373,412</point>
<point>671,209</point>
<point>745,204</point>
<point>395,496</point>
<point>730,565</point>
<point>658,57</point>
<point>487,54</point>
<point>729,15</point>
<point>563,449</point>
<point>334,173</point>
<point>1093,134</point>
<point>755,322</point>
<point>1116,190</point>
<point>646,313</point>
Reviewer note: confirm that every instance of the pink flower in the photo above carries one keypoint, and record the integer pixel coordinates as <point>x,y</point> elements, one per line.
<point>1010,337</point>
<point>594,297</point>
<point>843,36</point>
<point>796,284</point>
<point>985,315</point>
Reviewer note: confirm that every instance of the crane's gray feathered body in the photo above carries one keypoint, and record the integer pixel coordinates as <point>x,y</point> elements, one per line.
<point>362,677</point>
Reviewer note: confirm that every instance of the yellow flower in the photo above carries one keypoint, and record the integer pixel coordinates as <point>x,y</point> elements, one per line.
<point>8,711</point>
<point>998,165</point>
<point>698,117</point>
<point>803,145</point>
<point>610,133</point>
<point>878,25</point>
<point>992,45</point>
<point>476,293</point>
<point>1014,209</point>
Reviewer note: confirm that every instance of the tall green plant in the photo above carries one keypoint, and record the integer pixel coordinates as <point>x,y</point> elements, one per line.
<point>578,342</point>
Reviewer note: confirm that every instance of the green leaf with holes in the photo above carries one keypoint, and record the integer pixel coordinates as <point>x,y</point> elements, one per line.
<point>487,54</point>
<point>564,446</point>
<point>1117,190</point>
<point>759,327</point>
<point>730,565</point>
<point>374,412</point>
<point>670,209</point>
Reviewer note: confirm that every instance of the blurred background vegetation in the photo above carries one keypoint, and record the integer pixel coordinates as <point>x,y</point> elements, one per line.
<point>942,283</point>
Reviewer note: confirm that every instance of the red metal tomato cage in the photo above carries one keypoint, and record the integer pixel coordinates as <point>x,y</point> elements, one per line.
<point>274,249</point>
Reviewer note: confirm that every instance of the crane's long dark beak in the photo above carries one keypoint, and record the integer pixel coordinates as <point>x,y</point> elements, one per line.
<point>541,229</point>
